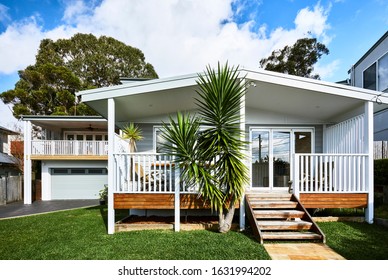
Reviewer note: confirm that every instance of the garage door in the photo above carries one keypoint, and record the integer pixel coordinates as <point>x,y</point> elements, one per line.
<point>77,183</point>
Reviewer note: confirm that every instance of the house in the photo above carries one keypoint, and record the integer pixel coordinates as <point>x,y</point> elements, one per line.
<point>8,163</point>
<point>371,72</point>
<point>71,155</point>
<point>311,137</point>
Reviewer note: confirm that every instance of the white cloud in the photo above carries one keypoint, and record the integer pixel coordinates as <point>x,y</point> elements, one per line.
<point>176,36</point>
<point>326,71</point>
<point>4,16</point>
<point>18,45</point>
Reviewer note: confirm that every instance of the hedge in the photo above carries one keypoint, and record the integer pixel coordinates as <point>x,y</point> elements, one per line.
<point>381,172</point>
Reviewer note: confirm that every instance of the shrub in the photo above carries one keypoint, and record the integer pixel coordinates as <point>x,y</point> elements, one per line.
<point>381,171</point>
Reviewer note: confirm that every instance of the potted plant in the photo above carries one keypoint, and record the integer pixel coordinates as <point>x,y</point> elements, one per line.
<point>104,195</point>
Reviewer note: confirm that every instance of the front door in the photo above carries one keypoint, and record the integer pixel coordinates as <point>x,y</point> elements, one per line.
<point>271,154</point>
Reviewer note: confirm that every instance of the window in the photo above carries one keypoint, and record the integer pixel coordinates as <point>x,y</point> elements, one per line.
<point>158,139</point>
<point>383,73</point>
<point>369,77</point>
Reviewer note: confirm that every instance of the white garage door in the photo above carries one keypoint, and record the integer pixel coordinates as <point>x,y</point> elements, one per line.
<point>77,183</point>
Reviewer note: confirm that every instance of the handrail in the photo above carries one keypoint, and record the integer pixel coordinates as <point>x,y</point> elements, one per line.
<point>330,173</point>
<point>69,147</point>
<point>146,173</point>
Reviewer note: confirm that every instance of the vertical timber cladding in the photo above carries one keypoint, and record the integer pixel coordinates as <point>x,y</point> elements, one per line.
<point>157,201</point>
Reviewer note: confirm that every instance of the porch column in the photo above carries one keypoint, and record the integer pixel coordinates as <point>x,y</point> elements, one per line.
<point>177,204</point>
<point>368,149</point>
<point>111,172</point>
<point>245,151</point>
<point>27,168</point>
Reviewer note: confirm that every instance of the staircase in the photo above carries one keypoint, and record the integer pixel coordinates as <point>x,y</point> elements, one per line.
<point>280,216</point>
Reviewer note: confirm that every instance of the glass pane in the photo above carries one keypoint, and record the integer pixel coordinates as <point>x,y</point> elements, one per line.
<point>89,137</point>
<point>70,137</point>
<point>383,73</point>
<point>80,137</point>
<point>260,156</point>
<point>281,158</point>
<point>370,77</point>
<point>159,141</point>
<point>98,137</point>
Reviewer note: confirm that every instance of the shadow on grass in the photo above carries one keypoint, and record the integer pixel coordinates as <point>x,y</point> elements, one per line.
<point>357,241</point>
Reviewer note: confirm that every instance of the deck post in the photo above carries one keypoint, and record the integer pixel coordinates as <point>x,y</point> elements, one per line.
<point>111,173</point>
<point>177,206</point>
<point>368,149</point>
<point>245,151</point>
<point>27,177</point>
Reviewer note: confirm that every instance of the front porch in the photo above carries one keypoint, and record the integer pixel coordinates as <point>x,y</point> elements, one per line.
<point>150,181</point>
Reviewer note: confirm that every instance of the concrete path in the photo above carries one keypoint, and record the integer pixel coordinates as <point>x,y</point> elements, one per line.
<point>301,251</point>
<point>18,209</point>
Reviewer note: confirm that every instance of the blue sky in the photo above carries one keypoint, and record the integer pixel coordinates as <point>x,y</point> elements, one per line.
<point>183,36</point>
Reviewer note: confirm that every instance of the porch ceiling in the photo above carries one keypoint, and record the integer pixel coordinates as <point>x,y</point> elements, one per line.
<point>91,123</point>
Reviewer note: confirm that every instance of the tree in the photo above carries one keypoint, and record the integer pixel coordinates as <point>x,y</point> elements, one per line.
<point>212,158</point>
<point>66,66</point>
<point>298,59</point>
<point>132,133</point>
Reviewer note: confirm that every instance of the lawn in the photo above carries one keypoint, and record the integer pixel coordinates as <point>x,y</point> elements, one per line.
<point>81,235</point>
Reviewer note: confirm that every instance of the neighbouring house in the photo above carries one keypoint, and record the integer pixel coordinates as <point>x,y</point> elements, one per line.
<point>371,72</point>
<point>10,168</point>
<point>308,137</point>
<point>8,163</point>
<point>70,153</point>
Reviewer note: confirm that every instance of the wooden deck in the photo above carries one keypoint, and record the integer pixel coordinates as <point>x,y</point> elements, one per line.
<point>157,201</point>
<point>334,200</point>
<point>69,157</point>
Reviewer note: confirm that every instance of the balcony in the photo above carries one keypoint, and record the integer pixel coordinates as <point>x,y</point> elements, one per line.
<point>69,149</point>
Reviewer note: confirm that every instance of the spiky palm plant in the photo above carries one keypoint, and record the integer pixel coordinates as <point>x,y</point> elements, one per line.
<point>132,133</point>
<point>213,158</point>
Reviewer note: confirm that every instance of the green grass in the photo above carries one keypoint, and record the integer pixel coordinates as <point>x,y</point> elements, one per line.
<point>81,235</point>
<point>357,241</point>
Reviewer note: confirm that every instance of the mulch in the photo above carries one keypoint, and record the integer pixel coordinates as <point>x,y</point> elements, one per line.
<point>169,220</point>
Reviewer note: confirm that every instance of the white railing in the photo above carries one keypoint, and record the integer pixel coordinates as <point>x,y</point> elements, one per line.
<point>68,147</point>
<point>146,173</point>
<point>330,173</point>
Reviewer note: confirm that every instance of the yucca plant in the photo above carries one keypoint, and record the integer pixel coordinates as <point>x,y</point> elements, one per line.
<point>132,133</point>
<point>213,158</point>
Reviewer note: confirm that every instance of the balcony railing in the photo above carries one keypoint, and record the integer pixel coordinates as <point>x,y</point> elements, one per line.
<point>146,173</point>
<point>330,173</point>
<point>68,147</point>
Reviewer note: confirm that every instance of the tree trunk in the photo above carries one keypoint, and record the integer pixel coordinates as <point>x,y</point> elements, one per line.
<point>225,219</point>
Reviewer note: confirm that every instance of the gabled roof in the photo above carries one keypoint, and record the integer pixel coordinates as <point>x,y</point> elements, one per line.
<point>279,93</point>
<point>371,49</point>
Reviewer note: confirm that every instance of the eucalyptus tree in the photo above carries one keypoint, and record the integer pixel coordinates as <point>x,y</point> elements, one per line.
<point>298,59</point>
<point>208,147</point>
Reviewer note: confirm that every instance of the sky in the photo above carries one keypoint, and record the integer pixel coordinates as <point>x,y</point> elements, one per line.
<point>184,36</point>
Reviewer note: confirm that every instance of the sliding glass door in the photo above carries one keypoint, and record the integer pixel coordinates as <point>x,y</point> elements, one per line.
<point>271,151</point>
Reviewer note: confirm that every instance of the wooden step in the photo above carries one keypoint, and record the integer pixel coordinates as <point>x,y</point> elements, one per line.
<point>274,204</point>
<point>291,235</point>
<point>283,225</point>
<point>277,214</point>
<point>269,196</point>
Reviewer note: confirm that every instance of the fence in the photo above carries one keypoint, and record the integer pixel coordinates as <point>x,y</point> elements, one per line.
<point>11,189</point>
<point>380,150</point>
